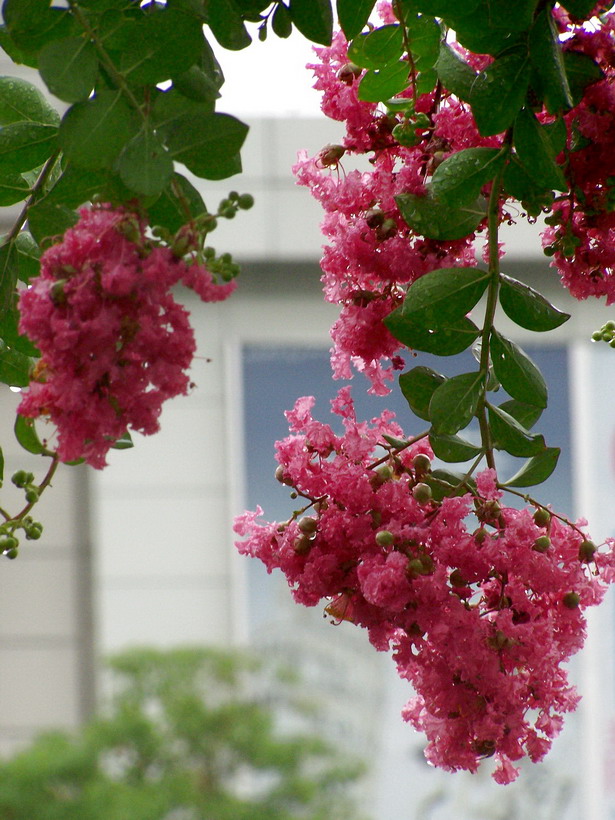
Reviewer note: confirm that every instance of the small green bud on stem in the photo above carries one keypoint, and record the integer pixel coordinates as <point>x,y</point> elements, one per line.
<point>384,538</point>
<point>422,493</point>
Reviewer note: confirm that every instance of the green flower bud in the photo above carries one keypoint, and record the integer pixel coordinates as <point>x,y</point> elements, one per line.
<point>542,517</point>
<point>307,525</point>
<point>586,551</point>
<point>480,534</point>
<point>303,545</point>
<point>374,217</point>
<point>571,600</point>
<point>32,496</point>
<point>384,538</point>
<point>387,230</point>
<point>542,543</point>
<point>34,533</point>
<point>421,463</point>
<point>382,475</point>
<point>21,478</point>
<point>422,493</point>
<point>8,543</point>
<point>282,476</point>
<point>245,202</point>
<point>349,73</point>
<point>331,155</point>
<point>457,579</point>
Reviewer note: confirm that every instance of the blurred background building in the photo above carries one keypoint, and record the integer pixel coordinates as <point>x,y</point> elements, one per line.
<point>142,552</point>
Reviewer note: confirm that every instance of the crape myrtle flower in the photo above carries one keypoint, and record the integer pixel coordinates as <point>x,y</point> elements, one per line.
<point>481,604</point>
<point>114,342</point>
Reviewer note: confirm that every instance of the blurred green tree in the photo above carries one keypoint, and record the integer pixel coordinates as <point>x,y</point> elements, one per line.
<point>188,734</point>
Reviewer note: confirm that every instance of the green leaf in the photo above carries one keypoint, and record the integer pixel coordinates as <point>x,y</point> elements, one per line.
<point>378,85</point>
<point>16,54</point>
<point>520,184</point>
<point>499,92</point>
<point>454,403</point>
<point>418,386</point>
<point>314,19</point>
<point>526,414</point>
<point>454,73</point>
<point>426,81</point>
<point>123,443</point>
<point>528,308</point>
<point>10,334</point>
<point>379,48</point>
<point>173,109</point>
<point>281,22</point>
<point>453,448</point>
<point>69,68</point>
<point>48,220</point>
<point>446,483</point>
<point>536,470</point>
<point>210,141</point>
<point>32,23</point>
<point>440,8</point>
<point>548,61</point>
<point>197,85</point>
<point>579,9</point>
<point>424,35</point>
<point>226,23</point>
<point>179,202</point>
<point>435,220</point>
<point>581,71</point>
<point>164,45</point>
<point>458,180</point>
<point>557,133</point>
<point>353,15</point>
<point>75,186</point>
<point>511,436</point>
<point>516,16</point>
<point>144,165</point>
<point>14,367</point>
<point>26,435</point>
<point>25,145</point>
<point>28,261</point>
<point>535,151</point>
<point>21,101</point>
<point>8,275</point>
<point>474,33</point>
<point>516,372</point>
<point>13,188</point>
<point>443,296</point>
<point>444,340</point>
<point>92,133</point>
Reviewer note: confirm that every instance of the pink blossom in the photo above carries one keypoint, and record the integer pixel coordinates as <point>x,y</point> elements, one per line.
<point>479,621</point>
<point>114,343</point>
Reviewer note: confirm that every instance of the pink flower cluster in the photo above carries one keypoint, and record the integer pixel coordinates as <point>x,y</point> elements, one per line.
<point>114,342</point>
<point>581,238</point>
<point>372,255</point>
<point>480,616</point>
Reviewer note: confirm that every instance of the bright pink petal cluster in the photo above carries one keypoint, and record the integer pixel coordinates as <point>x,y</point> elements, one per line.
<point>372,255</point>
<point>581,236</point>
<point>114,342</point>
<point>480,604</point>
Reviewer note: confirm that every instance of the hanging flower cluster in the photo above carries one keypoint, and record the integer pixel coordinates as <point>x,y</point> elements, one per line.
<point>372,255</point>
<point>480,603</point>
<point>581,232</point>
<point>114,342</point>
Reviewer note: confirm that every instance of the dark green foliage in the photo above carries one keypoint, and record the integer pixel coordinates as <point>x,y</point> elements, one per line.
<point>182,727</point>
